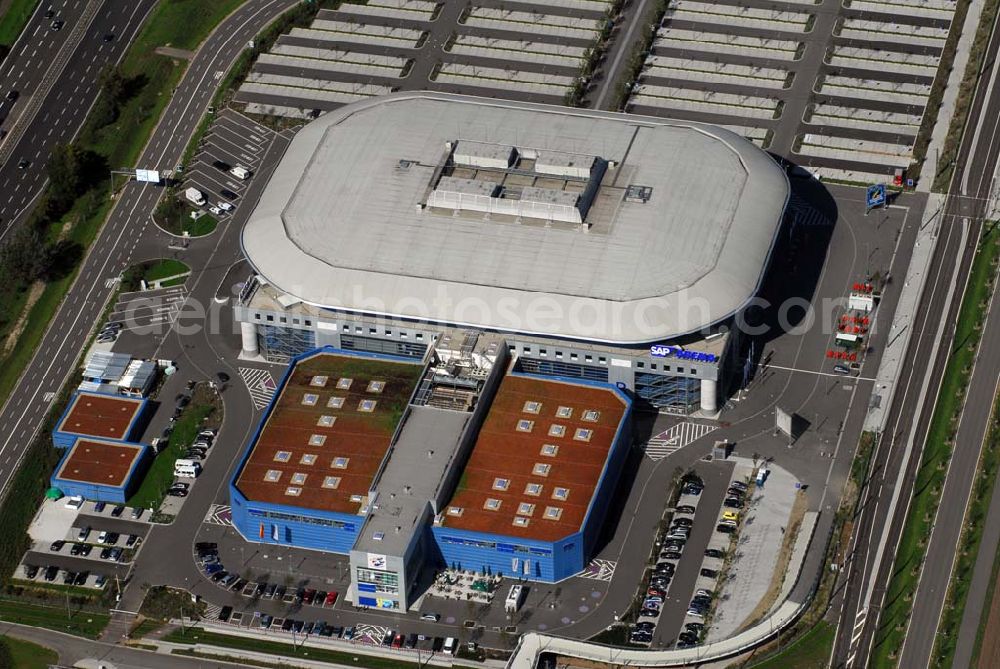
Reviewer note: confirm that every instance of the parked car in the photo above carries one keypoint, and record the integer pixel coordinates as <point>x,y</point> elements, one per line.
<point>349,633</point>
<point>69,577</point>
<point>683,522</point>
<point>77,549</point>
<point>102,538</point>
<point>670,555</point>
<point>733,503</point>
<point>330,599</point>
<point>695,627</point>
<point>117,511</point>
<point>99,507</point>
<point>685,508</point>
<point>649,613</point>
<point>709,573</point>
<point>100,580</point>
<point>228,194</point>
<point>725,529</point>
<point>176,492</point>
<point>266,620</point>
<point>51,572</point>
<point>131,541</point>
<point>219,575</point>
<point>269,591</point>
<point>225,206</point>
<point>286,626</point>
<point>83,534</point>
<point>117,553</point>
<point>714,553</point>
<point>57,545</point>
<point>137,513</point>
<point>30,571</point>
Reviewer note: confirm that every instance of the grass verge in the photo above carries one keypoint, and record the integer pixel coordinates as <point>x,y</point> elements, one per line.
<point>13,21</point>
<point>204,411</point>
<point>936,455</point>
<point>198,635</point>
<point>161,269</point>
<point>969,544</point>
<point>20,654</point>
<point>78,622</point>
<point>810,651</point>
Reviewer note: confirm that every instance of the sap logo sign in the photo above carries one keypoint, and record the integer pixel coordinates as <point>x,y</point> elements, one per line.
<point>661,351</point>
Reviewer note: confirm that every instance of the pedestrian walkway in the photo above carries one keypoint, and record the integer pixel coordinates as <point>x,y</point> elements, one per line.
<point>757,550</point>
<point>676,437</point>
<point>906,309</point>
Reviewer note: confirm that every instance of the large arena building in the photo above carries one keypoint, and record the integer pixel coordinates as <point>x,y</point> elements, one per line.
<point>600,246</point>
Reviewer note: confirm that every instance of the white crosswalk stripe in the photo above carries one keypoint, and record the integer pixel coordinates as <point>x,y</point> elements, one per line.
<point>599,570</point>
<point>803,213</point>
<point>260,383</point>
<point>211,611</point>
<point>370,634</point>
<point>676,437</point>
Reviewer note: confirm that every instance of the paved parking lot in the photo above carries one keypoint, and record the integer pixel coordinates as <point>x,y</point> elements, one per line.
<point>869,97</point>
<point>841,85</point>
<point>232,140</point>
<point>534,52</point>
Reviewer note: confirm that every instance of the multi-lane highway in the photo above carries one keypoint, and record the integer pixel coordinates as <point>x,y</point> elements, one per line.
<point>869,570</point>
<point>54,76</point>
<point>113,249</point>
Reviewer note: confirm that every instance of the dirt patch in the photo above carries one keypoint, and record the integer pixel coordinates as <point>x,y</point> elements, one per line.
<point>799,508</point>
<point>989,651</point>
<point>34,293</point>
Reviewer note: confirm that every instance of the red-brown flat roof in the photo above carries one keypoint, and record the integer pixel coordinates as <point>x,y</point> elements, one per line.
<point>283,449</point>
<point>505,453</point>
<point>99,415</point>
<point>99,462</point>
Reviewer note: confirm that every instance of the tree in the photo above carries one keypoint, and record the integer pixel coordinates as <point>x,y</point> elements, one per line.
<point>113,92</point>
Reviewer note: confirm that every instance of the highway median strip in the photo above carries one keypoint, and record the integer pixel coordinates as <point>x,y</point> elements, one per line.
<point>929,482</point>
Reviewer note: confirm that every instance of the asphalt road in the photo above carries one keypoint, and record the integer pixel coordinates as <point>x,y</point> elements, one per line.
<point>53,64</point>
<point>868,572</point>
<point>71,649</point>
<point>112,251</point>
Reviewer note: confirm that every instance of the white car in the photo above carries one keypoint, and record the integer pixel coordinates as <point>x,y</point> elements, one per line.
<point>224,206</point>
<point>215,210</point>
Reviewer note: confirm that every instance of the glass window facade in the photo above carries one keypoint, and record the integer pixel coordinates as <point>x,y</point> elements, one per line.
<point>567,369</point>
<point>375,345</point>
<point>675,392</point>
<point>278,344</point>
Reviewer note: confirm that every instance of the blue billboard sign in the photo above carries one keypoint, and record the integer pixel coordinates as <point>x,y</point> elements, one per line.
<point>875,196</point>
<point>664,351</point>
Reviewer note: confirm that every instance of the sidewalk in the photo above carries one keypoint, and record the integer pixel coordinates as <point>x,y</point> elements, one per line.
<point>947,108</point>
<point>899,330</point>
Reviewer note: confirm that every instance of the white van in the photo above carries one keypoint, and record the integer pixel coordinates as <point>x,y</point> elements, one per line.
<point>194,195</point>
<point>187,469</point>
<point>240,172</point>
<point>450,645</point>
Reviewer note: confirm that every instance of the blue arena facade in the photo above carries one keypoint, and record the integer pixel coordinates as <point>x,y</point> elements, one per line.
<point>431,446</point>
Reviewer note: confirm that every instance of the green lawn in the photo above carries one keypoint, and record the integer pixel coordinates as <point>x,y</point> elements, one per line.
<point>25,655</point>
<point>812,650</point>
<point>195,635</point>
<point>161,473</point>
<point>87,624</point>
<point>14,19</point>
<point>937,452</point>
<point>161,269</point>
<point>183,23</point>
